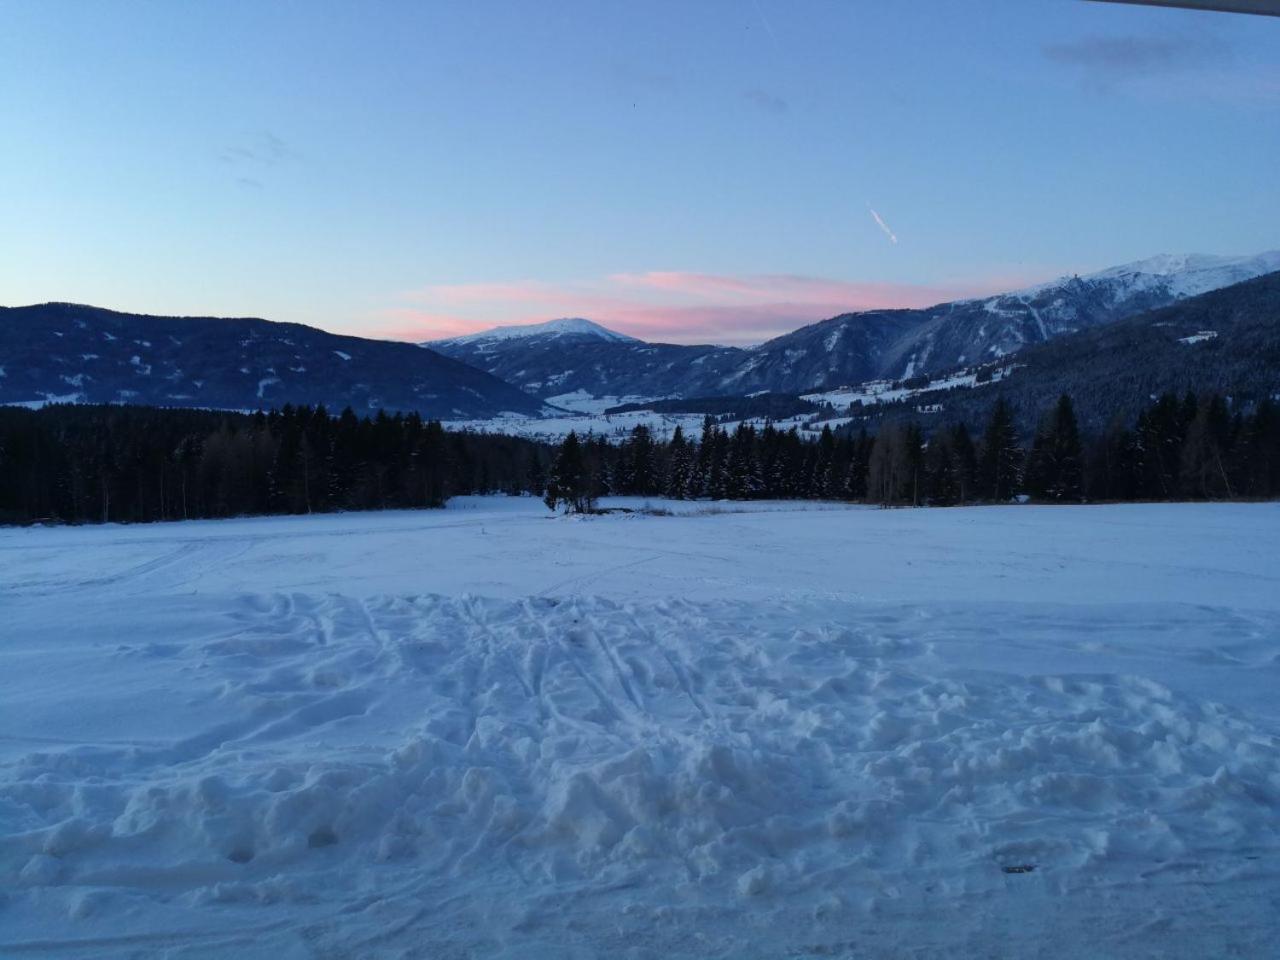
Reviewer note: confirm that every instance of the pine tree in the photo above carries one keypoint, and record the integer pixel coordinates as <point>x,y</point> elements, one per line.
<point>999,468</point>
<point>897,462</point>
<point>1206,451</point>
<point>1161,432</point>
<point>569,483</point>
<point>942,480</point>
<point>859,460</point>
<point>966,463</point>
<point>1114,465</point>
<point>1257,453</point>
<point>679,466</point>
<point>1055,468</point>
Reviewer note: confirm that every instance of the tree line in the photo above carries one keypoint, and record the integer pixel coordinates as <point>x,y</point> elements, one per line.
<point>1181,448</point>
<point>78,464</point>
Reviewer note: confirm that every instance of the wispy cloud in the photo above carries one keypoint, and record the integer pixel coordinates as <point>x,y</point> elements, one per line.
<point>674,306</point>
<point>1175,68</point>
<point>251,158</point>
<point>1125,56</point>
<point>882,225</point>
<point>263,149</point>
<point>766,101</point>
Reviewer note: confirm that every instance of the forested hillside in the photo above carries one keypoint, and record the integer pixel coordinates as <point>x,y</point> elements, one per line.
<point>1225,342</point>
<point>77,354</point>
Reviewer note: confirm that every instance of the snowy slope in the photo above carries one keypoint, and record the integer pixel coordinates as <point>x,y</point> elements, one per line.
<point>783,732</point>
<point>1183,275</point>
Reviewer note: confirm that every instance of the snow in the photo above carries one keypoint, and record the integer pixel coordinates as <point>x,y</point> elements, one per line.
<point>1185,275</point>
<point>47,399</point>
<point>553,427</point>
<point>341,355</point>
<point>884,391</point>
<point>572,326</point>
<point>580,401</point>
<point>746,730</point>
<point>1199,337</point>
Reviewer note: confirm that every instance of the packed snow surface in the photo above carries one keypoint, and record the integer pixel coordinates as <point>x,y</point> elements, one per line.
<point>764,730</point>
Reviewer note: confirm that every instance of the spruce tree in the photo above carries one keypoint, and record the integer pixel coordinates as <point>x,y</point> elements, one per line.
<point>1206,451</point>
<point>1055,468</point>
<point>999,467</point>
<point>569,483</point>
<point>966,463</point>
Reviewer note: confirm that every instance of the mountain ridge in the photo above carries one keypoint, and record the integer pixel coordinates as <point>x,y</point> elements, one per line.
<point>1224,341</point>
<point>866,345</point>
<point>78,353</point>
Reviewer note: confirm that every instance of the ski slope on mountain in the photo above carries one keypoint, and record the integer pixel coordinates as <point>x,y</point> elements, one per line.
<point>742,730</point>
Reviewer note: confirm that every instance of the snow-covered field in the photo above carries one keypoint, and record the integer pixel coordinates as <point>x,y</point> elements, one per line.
<point>616,427</point>
<point>754,731</point>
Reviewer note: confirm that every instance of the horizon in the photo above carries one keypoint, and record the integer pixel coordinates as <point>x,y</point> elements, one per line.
<point>717,174</point>
<point>610,328</point>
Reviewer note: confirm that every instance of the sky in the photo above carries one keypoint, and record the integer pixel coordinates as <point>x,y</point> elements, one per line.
<point>687,172</point>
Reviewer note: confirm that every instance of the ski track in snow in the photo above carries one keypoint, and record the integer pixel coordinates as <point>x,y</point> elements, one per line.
<point>784,732</point>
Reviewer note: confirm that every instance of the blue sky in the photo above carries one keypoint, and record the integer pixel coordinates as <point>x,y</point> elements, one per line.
<point>682,171</point>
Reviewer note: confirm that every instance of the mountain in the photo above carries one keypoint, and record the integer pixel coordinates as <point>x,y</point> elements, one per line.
<point>896,344</point>
<point>566,356</point>
<point>569,328</point>
<point>1226,341</point>
<point>72,353</point>
<point>853,347</point>
<point>69,352</point>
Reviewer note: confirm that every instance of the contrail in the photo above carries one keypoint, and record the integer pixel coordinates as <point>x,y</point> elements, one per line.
<point>767,25</point>
<point>883,226</point>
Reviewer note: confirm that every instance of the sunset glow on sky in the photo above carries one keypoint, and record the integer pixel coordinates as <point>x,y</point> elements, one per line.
<point>712,171</point>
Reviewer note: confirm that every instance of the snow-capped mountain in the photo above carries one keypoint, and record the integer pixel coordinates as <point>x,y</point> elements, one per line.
<point>1224,341</point>
<point>1189,274</point>
<point>86,354</point>
<point>70,353</point>
<point>853,347</point>
<point>904,343</point>
<point>568,328</point>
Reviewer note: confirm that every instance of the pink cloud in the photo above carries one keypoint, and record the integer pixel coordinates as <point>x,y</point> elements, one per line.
<point>673,306</point>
